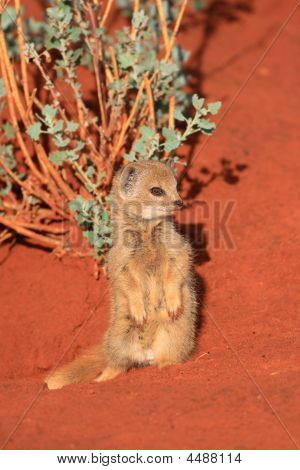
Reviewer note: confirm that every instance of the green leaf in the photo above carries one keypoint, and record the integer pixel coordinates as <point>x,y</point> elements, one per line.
<point>8,18</point>
<point>118,85</point>
<point>172,141</point>
<point>76,55</point>
<point>36,27</point>
<point>8,152</point>
<point>58,157</point>
<point>149,61</point>
<point>9,130</point>
<point>199,4</point>
<point>54,13</point>
<point>34,130</point>
<point>130,157</point>
<point>90,171</point>
<point>105,216</point>
<point>72,155</point>
<point>126,60</point>
<point>79,146</point>
<point>147,132</point>
<point>213,108</point>
<point>206,124</point>
<point>58,127</point>
<point>178,115</point>
<point>49,112</point>
<point>89,235</point>
<point>99,32</point>
<point>68,16</point>
<point>62,142</point>
<point>74,33</point>
<point>72,126</point>
<point>198,102</point>
<point>98,242</point>
<point>167,69</point>
<point>76,204</point>
<point>139,146</point>
<point>139,20</point>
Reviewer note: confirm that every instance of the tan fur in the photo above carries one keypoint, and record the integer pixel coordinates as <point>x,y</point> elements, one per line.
<point>153,313</point>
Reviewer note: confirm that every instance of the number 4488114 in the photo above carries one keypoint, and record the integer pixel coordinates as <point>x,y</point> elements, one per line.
<point>214,457</point>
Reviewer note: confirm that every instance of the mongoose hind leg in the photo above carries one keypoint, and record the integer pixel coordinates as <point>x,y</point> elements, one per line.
<point>109,373</point>
<point>166,353</point>
<point>165,363</point>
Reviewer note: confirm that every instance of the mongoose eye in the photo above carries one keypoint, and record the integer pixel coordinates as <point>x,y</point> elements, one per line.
<point>156,191</point>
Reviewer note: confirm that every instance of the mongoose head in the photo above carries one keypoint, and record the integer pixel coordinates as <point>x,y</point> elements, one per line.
<point>147,190</point>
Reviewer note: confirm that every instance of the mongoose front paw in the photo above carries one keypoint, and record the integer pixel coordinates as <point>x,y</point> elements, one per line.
<point>174,304</point>
<point>173,314</point>
<point>138,315</point>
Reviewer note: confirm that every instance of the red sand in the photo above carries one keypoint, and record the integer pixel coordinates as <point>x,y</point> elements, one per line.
<point>250,292</point>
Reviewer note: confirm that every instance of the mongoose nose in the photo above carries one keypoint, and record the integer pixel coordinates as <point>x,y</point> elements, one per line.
<point>178,203</point>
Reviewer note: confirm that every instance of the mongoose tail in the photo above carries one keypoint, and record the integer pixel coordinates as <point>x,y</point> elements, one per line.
<point>82,369</point>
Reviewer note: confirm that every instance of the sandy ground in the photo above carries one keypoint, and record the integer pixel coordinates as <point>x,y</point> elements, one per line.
<point>240,390</point>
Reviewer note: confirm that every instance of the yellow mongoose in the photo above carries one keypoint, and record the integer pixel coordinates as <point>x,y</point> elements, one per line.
<point>154,308</point>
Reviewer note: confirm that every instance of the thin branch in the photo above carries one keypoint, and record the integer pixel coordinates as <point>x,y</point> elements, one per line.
<point>22,55</point>
<point>171,111</point>
<point>106,12</point>
<point>114,62</point>
<point>5,235</point>
<point>14,121</point>
<point>45,162</point>
<point>65,188</point>
<point>7,72</point>
<point>41,239</point>
<point>85,179</point>
<point>96,63</point>
<point>11,76</point>
<point>175,30</point>
<point>42,227</point>
<point>31,100</point>
<point>136,6</point>
<point>10,173</point>
<point>129,119</point>
<point>163,23</point>
<point>150,102</point>
<point>38,192</point>
<point>109,75</point>
<point>51,87</point>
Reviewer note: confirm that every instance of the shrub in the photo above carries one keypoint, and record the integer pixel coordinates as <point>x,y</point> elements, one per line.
<point>59,148</point>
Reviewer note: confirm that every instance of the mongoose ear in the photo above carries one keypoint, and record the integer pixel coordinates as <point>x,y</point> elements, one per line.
<point>128,179</point>
<point>171,165</point>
